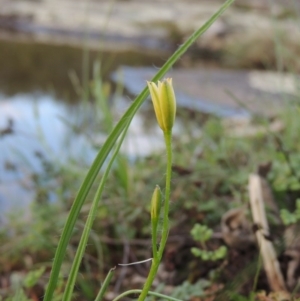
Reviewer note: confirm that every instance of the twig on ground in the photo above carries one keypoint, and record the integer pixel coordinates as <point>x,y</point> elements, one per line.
<point>269,257</point>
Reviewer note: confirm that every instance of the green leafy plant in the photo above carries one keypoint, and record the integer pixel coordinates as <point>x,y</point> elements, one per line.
<point>21,284</point>
<point>187,290</point>
<point>202,234</point>
<point>32,277</point>
<point>18,296</point>
<point>164,103</point>
<point>290,218</point>
<point>119,131</point>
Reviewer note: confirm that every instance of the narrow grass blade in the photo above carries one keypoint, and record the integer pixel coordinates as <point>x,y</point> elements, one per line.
<point>89,222</point>
<point>105,285</point>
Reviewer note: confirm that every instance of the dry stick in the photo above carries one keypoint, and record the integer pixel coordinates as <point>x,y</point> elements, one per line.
<point>270,262</point>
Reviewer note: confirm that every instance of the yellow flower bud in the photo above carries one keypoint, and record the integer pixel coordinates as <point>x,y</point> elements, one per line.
<point>164,102</point>
<point>155,204</point>
<point>155,211</point>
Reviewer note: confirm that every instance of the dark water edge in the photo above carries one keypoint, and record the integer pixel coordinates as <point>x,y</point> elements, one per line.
<point>27,67</point>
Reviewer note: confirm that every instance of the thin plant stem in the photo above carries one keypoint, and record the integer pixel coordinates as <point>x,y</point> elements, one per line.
<point>105,284</point>
<point>136,291</point>
<point>154,242</point>
<point>165,229</point>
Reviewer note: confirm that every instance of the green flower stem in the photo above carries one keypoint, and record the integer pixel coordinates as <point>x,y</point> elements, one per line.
<point>136,291</point>
<point>154,242</point>
<point>165,230</point>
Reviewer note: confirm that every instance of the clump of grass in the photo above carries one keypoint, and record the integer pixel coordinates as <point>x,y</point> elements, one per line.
<point>118,132</point>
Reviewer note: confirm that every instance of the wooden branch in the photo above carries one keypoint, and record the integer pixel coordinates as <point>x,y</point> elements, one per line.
<point>269,257</point>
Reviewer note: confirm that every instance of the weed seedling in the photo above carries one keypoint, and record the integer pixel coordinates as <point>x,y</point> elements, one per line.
<point>202,234</point>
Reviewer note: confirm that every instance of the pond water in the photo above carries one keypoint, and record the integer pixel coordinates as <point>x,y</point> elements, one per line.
<point>39,107</point>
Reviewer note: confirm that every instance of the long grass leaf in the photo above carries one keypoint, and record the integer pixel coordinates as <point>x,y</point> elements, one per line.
<point>89,223</point>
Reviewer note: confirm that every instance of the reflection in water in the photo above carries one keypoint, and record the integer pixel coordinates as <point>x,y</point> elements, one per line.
<point>30,67</point>
<point>38,127</point>
<point>35,127</point>
<point>40,123</point>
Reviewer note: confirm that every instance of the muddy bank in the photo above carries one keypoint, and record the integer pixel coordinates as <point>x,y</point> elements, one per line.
<point>224,93</point>
<point>250,33</point>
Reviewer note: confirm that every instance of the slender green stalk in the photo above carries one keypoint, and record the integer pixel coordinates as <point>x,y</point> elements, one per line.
<point>105,284</point>
<point>154,243</point>
<point>165,230</point>
<point>88,225</point>
<point>106,149</point>
<point>149,293</point>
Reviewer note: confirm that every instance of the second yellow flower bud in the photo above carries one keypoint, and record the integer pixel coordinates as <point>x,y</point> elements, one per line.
<point>156,203</point>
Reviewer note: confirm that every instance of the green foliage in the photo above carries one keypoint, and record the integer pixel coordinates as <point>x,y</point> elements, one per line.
<point>285,171</point>
<point>19,296</point>
<point>22,283</point>
<point>32,277</point>
<point>223,180</point>
<point>288,217</point>
<point>187,290</point>
<point>202,234</point>
<point>238,297</point>
<point>205,255</point>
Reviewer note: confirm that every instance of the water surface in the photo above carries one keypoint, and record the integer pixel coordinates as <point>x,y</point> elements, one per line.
<point>40,105</point>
